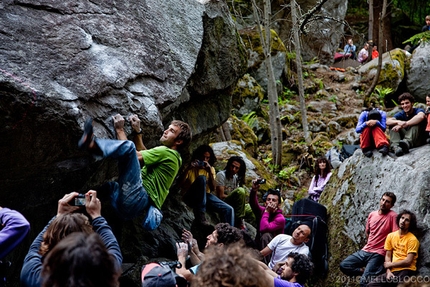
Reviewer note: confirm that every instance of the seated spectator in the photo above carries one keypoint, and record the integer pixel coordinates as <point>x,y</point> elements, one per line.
<point>350,49</point>
<point>375,53</point>
<point>223,235</point>
<point>197,182</point>
<point>228,188</point>
<point>364,54</point>
<point>283,244</point>
<point>371,127</point>
<point>14,228</point>
<point>80,259</point>
<point>65,223</point>
<point>427,114</point>
<point>293,273</point>
<point>319,180</point>
<point>407,126</point>
<point>230,264</point>
<point>270,220</point>
<point>426,27</point>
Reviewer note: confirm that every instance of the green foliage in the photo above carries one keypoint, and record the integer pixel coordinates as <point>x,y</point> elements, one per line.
<point>381,93</point>
<point>250,118</point>
<point>417,38</point>
<point>314,60</point>
<point>287,172</point>
<point>287,97</point>
<point>333,99</point>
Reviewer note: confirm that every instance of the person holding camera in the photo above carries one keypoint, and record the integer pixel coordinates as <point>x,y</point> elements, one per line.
<point>69,219</point>
<point>228,189</point>
<point>198,180</point>
<point>270,220</point>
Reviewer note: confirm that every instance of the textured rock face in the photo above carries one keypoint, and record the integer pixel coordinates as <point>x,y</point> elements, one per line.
<point>355,191</point>
<point>324,36</point>
<point>62,61</point>
<point>418,74</point>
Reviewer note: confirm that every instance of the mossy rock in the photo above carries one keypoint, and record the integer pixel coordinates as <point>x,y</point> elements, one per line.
<point>247,94</point>
<point>251,39</point>
<point>243,134</point>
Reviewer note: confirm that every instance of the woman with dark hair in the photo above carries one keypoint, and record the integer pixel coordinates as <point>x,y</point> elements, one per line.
<point>320,179</point>
<point>228,188</point>
<point>198,181</point>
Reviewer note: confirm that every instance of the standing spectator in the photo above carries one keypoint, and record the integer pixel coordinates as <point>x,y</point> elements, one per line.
<point>427,114</point>
<point>270,220</point>
<point>197,183</point>
<point>138,189</point>
<point>375,53</point>
<point>80,259</point>
<point>65,223</point>
<point>427,25</point>
<point>363,55</point>
<point>322,174</point>
<point>371,127</point>
<point>369,261</point>
<point>402,252</point>
<point>407,126</point>
<point>350,49</point>
<point>229,188</point>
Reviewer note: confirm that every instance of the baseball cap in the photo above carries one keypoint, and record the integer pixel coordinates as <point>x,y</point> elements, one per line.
<point>154,275</point>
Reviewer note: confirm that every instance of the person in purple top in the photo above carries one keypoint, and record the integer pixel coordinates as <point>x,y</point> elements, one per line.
<point>293,273</point>
<point>14,229</point>
<point>270,219</point>
<point>320,179</point>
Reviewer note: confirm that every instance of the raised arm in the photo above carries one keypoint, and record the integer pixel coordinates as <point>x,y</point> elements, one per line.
<point>15,228</point>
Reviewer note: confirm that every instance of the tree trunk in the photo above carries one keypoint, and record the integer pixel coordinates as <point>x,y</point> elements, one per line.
<point>272,93</point>
<point>370,28</point>
<point>299,71</point>
<point>387,43</point>
<point>382,16</point>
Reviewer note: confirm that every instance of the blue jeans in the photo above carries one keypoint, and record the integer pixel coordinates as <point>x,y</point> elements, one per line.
<point>128,196</point>
<point>373,262</point>
<point>213,203</point>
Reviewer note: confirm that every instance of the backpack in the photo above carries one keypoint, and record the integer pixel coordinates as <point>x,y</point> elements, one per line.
<point>314,215</point>
<point>333,157</point>
<point>348,150</point>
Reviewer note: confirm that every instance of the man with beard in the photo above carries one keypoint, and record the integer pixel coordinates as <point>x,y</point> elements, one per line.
<point>284,244</point>
<point>223,235</point>
<point>293,273</point>
<point>402,252</point>
<point>145,176</point>
<point>369,260</point>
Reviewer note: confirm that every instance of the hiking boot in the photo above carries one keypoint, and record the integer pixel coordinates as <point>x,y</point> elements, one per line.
<point>368,153</point>
<point>398,151</point>
<point>383,150</point>
<point>404,145</point>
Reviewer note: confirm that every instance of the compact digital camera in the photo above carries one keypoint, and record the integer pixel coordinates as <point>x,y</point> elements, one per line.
<point>79,200</point>
<point>260,181</point>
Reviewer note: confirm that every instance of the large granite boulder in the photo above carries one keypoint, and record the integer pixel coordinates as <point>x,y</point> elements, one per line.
<point>63,61</point>
<point>355,189</point>
<point>418,74</point>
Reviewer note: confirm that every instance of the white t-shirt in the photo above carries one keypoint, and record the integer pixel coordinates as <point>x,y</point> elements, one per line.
<point>229,184</point>
<point>281,246</point>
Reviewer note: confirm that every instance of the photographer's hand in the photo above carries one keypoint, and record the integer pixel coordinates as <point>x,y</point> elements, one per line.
<point>64,206</point>
<point>92,204</point>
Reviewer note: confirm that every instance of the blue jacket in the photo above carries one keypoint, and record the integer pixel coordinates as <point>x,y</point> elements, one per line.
<point>361,125</point>
<point>32,267</point>
<point>15,228</point>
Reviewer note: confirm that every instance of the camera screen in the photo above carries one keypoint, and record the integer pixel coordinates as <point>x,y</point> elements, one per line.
<point>79,201</point>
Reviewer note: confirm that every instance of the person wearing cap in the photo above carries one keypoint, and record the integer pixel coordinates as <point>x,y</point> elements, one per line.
<point>223,235</point>
<point>156,275</point>
<point>270,219</point>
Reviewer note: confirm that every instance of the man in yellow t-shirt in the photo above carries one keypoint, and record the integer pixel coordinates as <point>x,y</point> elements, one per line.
<point>401,252</point>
